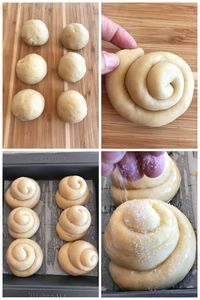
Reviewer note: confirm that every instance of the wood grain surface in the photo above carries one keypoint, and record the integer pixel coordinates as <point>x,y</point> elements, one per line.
<point>156,27</point>
<point>48,131</point>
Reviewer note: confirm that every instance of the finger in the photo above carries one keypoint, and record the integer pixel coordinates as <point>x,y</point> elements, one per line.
<point>111,32</point>
<point>109,61</point>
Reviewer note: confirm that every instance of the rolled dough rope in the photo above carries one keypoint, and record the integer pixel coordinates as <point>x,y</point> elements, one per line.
<point>152,89</point>
<point>151,245</point>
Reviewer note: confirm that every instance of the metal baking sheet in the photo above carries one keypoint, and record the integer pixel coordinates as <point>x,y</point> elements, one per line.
<point>185,200</point>
<point>46,236</point>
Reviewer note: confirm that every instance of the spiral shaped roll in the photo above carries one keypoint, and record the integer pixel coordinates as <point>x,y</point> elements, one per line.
<point>73,190</point>
<point>73,223</point>
<point>24,257</point>
<point>77,258</point>
<point>150,89</point>
<point>23,223</point>
<point>23,192</point>
<point>163,187</point>
<point>151,245</point>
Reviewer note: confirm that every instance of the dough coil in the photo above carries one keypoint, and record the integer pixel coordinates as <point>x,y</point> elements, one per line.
<point>73,223</point>
<point>151,245</point>
<point>22,222</point>
<point>73,190</point>
<point>150,89</point>
<point>24,192</point>
<point>78,258</point>
<point>24,257</point>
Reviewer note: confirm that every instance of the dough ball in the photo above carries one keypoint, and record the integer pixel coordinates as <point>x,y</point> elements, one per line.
<point>28,105</point>
<point>31,69</point>
<point>72,67</point>
<point>74,36</point>
<point>34,32</point>
<point>71,107</point>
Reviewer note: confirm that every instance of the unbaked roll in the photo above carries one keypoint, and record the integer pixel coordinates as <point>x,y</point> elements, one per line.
<point>73,223</point>
<point>24,192</point>
<point>24,257</point>
<point>163,187</point>
<point>22,222</point>
<point>151,245</point>
<point>72,190</point>
<point>34,32</point>
<point>150,89</point>
<point>77,258</point>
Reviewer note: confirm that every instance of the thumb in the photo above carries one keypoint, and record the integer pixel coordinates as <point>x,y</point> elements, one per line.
<point>109,61</point>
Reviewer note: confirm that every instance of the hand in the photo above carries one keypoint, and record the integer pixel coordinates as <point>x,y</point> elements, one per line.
<point>111,32</point>
<point>133,165</point>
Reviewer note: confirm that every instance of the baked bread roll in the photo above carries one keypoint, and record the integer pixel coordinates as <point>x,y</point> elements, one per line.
<point>72,190</point>
<point>77,258</point>
<point>73,223</point>
<point>23,223</point>
<point>24,257</point>
<point>24,192</point>
<point>151,245</point>
<point>74,36</point>
<point>163,187</point>
<point>152,89</point>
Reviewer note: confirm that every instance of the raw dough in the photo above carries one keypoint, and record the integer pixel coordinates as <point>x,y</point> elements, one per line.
<point>34,32</point>
<point>151,245</point>
<point>72,190</point>
<point>152,89</point>
<point>74,36</point>
<point>23,222</point>
<point>31,69</point>
<point>24,257</point>
<point>71,107</point>
<point>77,258</point>
<point>24,192</point>
<point>73,223</point>
<point>28,105</point>
<point>163,187</point>
<point>72,67</point>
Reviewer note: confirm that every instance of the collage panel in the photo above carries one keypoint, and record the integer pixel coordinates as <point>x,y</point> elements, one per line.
<point>99,149</point>
<point>50,224</point>
<point>150,99</point>
<point>50,75</point>
<point>149,224</point>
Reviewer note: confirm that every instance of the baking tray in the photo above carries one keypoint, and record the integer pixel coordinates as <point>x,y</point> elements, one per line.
<point>186,201</point>
<point>51,167</point>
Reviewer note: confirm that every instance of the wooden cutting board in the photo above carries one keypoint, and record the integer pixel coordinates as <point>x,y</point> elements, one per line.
<point>156,27</point>
<point>48,131</point>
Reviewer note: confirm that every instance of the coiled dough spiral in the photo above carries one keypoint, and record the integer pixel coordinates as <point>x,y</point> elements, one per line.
<point>77,258</point>
<point>73,190</point>
<point>73,223</point>
<point>24,192</point>
<point>22,222</point>
<point>152,89</point>
<point>151,245</point>
<point>24,257</point>
<point>163,187</point>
